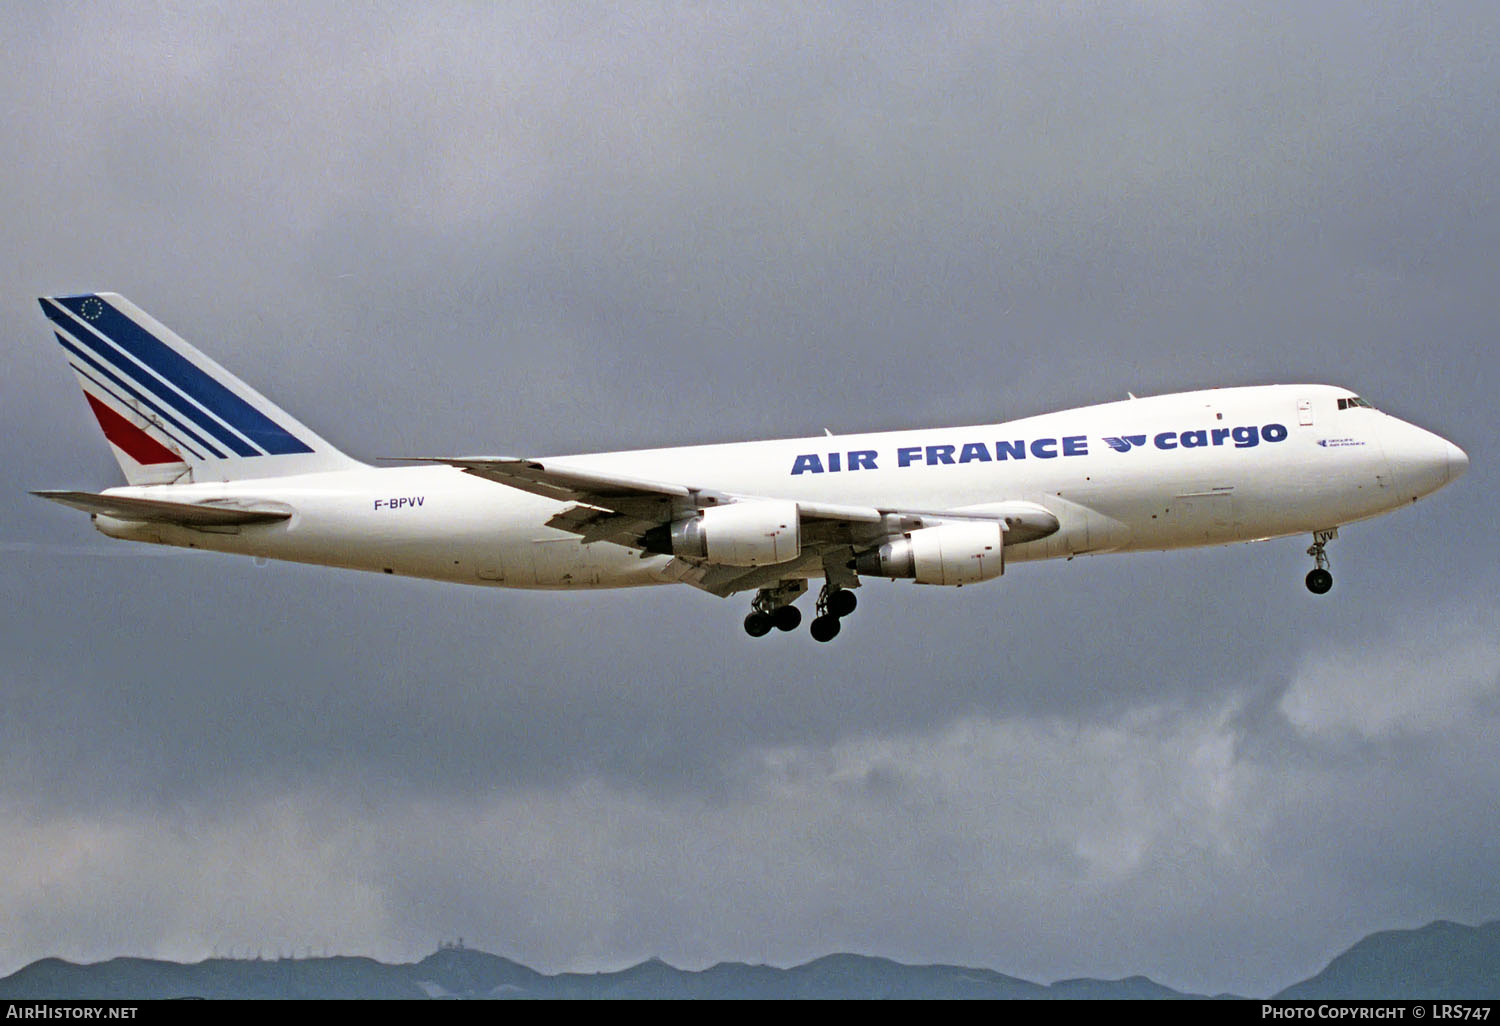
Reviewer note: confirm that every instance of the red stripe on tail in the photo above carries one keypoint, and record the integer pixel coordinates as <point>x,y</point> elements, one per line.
<point>138,445</point>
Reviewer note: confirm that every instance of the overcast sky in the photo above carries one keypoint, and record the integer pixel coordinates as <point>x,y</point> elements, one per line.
<point>543,229</point>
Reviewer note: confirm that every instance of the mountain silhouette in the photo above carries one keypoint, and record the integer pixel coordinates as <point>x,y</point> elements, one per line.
<point>1441,961</point>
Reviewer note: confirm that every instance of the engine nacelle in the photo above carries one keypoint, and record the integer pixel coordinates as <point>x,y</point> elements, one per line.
<point>759,532</point>
<point>953,554</point>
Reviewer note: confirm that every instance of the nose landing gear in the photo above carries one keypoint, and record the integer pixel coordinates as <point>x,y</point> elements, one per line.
<point>1319,580</point>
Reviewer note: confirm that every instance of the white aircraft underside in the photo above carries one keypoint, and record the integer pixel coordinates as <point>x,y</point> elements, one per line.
<point>214,465</point>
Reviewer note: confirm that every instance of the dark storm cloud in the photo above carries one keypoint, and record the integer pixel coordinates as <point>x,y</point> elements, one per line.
<point>427,231</point>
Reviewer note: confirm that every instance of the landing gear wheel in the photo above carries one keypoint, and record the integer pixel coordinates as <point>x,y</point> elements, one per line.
<point>787,618</point>
<point>758,625</point>
<point>1319,580</point>
<point>824,628</point>
<point>841,603</point>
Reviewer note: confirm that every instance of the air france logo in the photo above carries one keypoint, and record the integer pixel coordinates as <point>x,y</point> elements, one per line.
<point>1244,437</point>
<point>944,455</point>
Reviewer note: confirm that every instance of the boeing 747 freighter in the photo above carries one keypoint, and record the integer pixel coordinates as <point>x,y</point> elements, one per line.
<point>212,464</point>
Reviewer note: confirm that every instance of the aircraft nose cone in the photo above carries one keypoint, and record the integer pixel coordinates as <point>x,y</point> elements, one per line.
<point>1458,461</point>
<point>1422,461</point>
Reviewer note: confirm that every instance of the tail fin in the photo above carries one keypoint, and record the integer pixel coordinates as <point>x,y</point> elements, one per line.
<point>170,413</point>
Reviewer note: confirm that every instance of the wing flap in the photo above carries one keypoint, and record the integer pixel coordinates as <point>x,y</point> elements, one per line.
<point>651,501</point>
<point>592,524</point>
<point>222,513</point>
<point>557,482</point>
<point>724,581</point>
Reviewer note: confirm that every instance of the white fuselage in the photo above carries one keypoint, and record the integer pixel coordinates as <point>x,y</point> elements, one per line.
<point>1199,468</point>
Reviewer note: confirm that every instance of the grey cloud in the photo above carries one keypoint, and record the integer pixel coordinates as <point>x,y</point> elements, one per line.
<point>426,230</point>
<point>1038,844</point>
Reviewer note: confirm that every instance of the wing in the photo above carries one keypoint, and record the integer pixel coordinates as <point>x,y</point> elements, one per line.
<point>184,514</point>
<point>638,513</point>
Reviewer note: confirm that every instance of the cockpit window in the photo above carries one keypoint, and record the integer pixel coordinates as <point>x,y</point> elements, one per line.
<point>1352,401</point>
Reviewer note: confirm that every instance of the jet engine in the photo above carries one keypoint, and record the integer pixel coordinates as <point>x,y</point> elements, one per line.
<point>952,553</point>
<point>758,532</point>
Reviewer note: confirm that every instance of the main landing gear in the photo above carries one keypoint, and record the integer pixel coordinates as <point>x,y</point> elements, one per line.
<point>833,605</point>
<point>783,618</point>
<point>1319,580</point>
<point>772,607</point>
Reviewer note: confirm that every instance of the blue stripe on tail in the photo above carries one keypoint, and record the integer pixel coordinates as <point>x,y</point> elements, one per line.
<point>183,374</point>
<point>110,357</point>
<point>136,394</point>
<point>106,390</point>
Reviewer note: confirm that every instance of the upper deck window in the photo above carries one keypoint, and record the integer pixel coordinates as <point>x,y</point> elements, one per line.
<point>1352,401</point>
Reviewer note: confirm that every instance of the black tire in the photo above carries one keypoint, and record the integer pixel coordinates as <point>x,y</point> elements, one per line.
<point>824,628</point>
<point>842,602</point>
<point>787,618</point>
<point>758,624</point>
<point>1319,581</point>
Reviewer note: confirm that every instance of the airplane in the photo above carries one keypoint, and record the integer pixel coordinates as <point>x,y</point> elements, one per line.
<point>212,464</point>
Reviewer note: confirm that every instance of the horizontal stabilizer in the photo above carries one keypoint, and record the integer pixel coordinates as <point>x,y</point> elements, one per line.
<point>223,513</point>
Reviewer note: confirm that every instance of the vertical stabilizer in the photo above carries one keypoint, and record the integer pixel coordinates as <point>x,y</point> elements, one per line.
<point>171,414</point>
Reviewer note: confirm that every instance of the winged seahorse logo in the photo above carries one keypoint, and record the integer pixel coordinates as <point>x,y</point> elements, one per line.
<point>1124,443</point>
